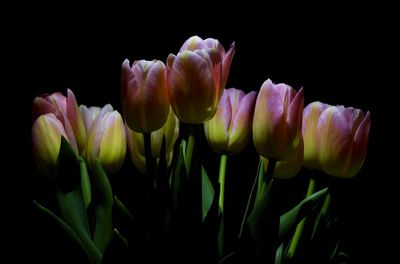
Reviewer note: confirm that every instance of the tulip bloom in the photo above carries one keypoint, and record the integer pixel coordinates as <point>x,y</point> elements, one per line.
<point>311,115</point>
<point>136,143</point>
<point>287,169</point>
<point>67,111</point>
<point>196,78</point>
<point>277,120</point>
<point>107,140</point>
<point>144,95</point>
<point>342,138</point>
<point>46,138</point>
<point>230,129</point>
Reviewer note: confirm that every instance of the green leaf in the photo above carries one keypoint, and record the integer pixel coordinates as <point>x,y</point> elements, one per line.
<point>207,192</point>
<point>102,203</point>
<point>279,255</point>
<point>122,209</point>
<point>292,217</point>
<point>85,184</point>
<point>179,177</point>
<point>117,249</point>
<point>67,168</point>
<point>64,226</point>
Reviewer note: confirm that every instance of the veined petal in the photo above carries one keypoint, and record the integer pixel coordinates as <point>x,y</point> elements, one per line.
<point>334,141</point>
<point>113,143</point>
<point>226,64</point>
<point>191,88</point>
<point>76,120</point>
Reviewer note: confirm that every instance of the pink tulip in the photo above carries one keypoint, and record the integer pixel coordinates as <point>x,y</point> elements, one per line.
<point>277,120</point>
<point>144,95</point>
<point>67,111</point>
<point>230,129</point>
<point>311,115</point>
<point>196,79</point>
<point>342,139</point>
<point>47,130</point>
<point>289,168</point>
<point>107,140</point>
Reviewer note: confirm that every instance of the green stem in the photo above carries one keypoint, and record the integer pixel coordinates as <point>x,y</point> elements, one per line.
<point>326,205</point>
<point>222,173</point>
<point>300,226</point>
<point>189,149</point>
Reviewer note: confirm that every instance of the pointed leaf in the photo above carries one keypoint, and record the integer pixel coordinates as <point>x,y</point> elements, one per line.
<point>102,204</point>
<point>67,229</point>
<point>279,255</point>
<point>85,184</point>
<point>292,217</point>
<point>122,209</point>
<point>207,192</point>
<point>67,168</point>
<point>117,250</point>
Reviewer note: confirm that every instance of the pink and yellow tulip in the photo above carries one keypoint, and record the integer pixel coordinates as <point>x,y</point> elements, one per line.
<point>144,95</point>
<point>342,140</point>
<point>311,115</point>
<point>230,129</point>
<point>67,111</point>
<point>277,120</point>
<point>107,139</point>
<point>196,78</point>
<point>47,130</point>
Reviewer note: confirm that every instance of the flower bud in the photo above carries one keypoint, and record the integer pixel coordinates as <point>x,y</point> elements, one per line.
<point>342,140</point>
<point>196,78</point>
<point>230,129</point>
<point>46,139</point>
<point>277,120</point>
<point>311,115</point>
<point>144,95</point>
<point>107,141</point>
<point>67,111</point>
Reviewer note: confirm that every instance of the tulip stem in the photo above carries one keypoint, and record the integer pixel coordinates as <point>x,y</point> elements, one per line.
<point>189,149</point>
<point>300,226</point>
<point>222,173</point>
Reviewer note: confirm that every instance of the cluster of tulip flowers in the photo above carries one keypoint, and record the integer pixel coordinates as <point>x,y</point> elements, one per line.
<point>78,148</point>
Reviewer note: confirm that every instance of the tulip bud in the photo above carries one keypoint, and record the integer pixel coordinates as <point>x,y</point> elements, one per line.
<point>196,79</point>
<point>287,169</point>
<point>144,95</point>
<point>46,138</point>
<point>342,139</point>
<point>107,141</point>
<point>67,111</point>
<point>230,129</point>
<point>311,115</point>
<point>277,120</point>
<point>136,143</point>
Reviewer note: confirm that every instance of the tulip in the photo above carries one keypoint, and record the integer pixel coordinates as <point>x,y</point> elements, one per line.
<point>46,138</point>
<point>311,115</point>
<point>144,95</point>
<point>277,120</point>
<point>67,111</point>
<point>107,141</point>
<point>230,129</point>
<point>90,114</point>
<point>342,139</point>
<point>287,169</point>
<point>196,43</point>
<point>136,143</point>
<point>196,79</point>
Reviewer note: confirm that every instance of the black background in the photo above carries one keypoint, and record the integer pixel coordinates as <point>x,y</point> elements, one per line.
<point>332,55</point>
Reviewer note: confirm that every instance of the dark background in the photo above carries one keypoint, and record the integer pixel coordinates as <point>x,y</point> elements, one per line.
<point>333,56</point>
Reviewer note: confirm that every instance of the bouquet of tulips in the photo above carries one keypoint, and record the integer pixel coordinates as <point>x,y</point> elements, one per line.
<point>170,112</point>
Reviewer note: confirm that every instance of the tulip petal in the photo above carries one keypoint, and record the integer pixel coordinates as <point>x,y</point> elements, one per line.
<point>295,116</point>
<point>334,141</point>
<point>76,121</point>
<point>113,142</point>
<point>226,64</point>
<point>192,94</point>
